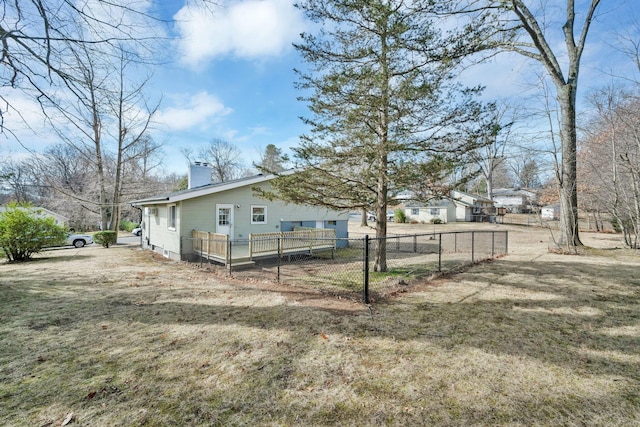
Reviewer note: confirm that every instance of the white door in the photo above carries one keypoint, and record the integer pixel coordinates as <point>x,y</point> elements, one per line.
<point>224,219</point>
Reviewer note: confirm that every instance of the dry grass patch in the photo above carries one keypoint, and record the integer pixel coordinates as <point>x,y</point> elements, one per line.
<point>119,337</point>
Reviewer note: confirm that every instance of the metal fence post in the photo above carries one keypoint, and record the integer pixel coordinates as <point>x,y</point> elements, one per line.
<point>473,247</point>
<point>506,242</point>
<point>279,256</point>
<point>201,252</point>
<point>439,252</point>
<point>493,244</point>
<point>366,269</point>
<point>229,255</point>
<point>415,243</point>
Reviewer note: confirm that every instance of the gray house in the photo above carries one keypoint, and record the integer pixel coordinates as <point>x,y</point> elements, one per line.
<point>230,211</point>
<point>442,210</point>
<point>458,207</point>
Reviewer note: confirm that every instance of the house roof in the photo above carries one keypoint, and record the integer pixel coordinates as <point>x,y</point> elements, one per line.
<point>436,203</point>
<point>455,195</point>
<point>42,212</point>
<point>521,192</point>
<point>205,190</point>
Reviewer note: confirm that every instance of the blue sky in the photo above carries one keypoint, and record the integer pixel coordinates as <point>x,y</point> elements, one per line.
<point>231,76</point>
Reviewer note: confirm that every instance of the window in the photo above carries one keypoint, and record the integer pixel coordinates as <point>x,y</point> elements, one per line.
<point>171,217</point>
<point>224,216</point>
<point>415,211</point>
<point>435,211</point>
<point>332,222</point>
<point>258,214</point>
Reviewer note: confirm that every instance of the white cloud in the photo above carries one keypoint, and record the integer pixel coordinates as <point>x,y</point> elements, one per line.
<point>195,110</point>
<point>247,29</point>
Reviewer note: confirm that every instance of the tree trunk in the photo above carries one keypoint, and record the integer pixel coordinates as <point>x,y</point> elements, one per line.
<point>97,138</point>
<point>489,182</point>
<point>569,235</point>
<point>363,221</point>
<point>381,226</point>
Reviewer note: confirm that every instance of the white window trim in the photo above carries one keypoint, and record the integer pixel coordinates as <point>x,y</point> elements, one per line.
<point>175,219</point>
<point>265,214</point>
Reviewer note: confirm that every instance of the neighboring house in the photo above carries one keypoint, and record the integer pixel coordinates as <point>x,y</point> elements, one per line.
<point>46,213</point>
<point>444,210</point>
<point>472,207</point>
<point>227,208</point>
<point>551,212</point>
<point>516,200</point>
<point>459,207</point>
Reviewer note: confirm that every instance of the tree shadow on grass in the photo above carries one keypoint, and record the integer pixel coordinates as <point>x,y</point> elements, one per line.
<point>580,319</point>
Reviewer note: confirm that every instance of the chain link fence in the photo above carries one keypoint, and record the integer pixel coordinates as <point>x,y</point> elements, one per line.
<point>363,268</point>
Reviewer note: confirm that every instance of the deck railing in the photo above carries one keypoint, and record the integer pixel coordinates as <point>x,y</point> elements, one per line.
<point>288,241</point>
<point>205,243</point>
<point>217,245</point>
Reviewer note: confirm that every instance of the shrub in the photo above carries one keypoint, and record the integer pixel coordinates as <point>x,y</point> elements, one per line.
<point>435,221</point>
<point>127,225</point>
<point>399,216</point>
<point>24,232</point>
<point>106,238</point>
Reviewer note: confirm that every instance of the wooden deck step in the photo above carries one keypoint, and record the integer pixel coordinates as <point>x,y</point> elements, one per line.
<point>241,263</point>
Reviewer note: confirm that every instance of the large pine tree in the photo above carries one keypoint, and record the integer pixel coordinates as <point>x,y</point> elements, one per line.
<point>385,113</point>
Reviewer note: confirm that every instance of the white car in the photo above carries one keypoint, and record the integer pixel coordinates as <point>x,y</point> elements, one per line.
<point>79,240</point>
<point>137,231</point>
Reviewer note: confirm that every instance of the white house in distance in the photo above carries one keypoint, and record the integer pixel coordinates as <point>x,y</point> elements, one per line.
<point>442,210</point>
<point>459,207</point>
<point>515,200</point>
<point>227,208</point>
<point>550,212</point>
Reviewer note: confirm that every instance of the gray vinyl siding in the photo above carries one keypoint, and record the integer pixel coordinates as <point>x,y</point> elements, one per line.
<point>200,213</point>
<point>159,235</point>
<point>341,226</point>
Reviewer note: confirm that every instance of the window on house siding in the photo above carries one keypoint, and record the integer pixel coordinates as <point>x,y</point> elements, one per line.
<point>435,211</point>
<point>258,214</point>
<point>415,211</point>
<point>332,222</point>
<point>171,217</point>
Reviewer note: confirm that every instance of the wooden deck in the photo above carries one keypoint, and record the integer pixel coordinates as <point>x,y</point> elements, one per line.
<point>219,248</point>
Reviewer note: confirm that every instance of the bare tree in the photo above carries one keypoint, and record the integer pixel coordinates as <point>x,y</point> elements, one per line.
<point>495,138</point>
<point>103,117</point>
<point>612,159</point>
<point>131,131</point>
<point>525,167</point>
<point>70,175</point>
<point>524,30</point>
<point>224,158</point>
<point>18,179</point>
<point>36,38</point>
